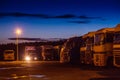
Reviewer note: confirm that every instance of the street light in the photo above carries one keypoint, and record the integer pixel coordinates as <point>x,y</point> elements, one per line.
<point>18,32</point>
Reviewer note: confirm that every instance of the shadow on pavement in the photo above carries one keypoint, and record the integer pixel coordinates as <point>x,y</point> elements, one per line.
<point>105,78</point>
<point>96,68</point>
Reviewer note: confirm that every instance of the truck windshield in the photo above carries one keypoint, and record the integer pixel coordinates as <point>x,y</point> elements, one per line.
<point>49,50</point>
<point>30,52</point>
<point>90,40</point>
<point>99,38</point>
<point>117,37</point>
<point>83,42</point>
<point>9,52</point>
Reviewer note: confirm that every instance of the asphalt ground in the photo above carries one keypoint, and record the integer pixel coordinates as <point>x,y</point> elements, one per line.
<point>53,70</point>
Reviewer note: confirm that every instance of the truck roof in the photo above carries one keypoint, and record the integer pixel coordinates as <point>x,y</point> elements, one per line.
<point>104,30</point>
<point>89,34</point>
<point>117,28</point>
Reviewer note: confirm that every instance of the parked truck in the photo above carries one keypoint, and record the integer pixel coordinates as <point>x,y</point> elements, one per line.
<point>116,46</point>
<point>30,53</point>
<point>50,52</point>
<point>86,49</point>
<point>103,47</point>
<point>70,52</point>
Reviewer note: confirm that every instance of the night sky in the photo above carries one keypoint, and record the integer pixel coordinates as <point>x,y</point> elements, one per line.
<point>56,18</point>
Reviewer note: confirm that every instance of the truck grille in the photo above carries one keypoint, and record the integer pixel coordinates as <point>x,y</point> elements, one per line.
<point>116,54</point>
<point>117,60</point>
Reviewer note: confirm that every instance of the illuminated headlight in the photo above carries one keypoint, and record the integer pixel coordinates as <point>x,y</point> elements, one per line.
<point>35,58</point>
<point>27,58</point>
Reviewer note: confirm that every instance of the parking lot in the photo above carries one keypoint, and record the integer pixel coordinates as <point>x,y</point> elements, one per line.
<point>53,70</point>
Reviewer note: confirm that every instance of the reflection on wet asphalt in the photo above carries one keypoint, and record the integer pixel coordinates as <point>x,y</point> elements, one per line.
<point>16,77</point>
<point>10,68</point>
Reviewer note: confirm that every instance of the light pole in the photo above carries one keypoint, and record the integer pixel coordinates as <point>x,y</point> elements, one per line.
<point>18,32</point>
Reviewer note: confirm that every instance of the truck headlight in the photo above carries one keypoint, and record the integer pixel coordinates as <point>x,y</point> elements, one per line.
<point>27,58</point>
<point>35,58</point>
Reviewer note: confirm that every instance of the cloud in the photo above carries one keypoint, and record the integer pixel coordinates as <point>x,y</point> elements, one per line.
<point>29,39</point>
<point>80,22</point>
<point>17,14</point>
<point>86,17</point>
<point>65,16</point>
<point>37,39</point>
